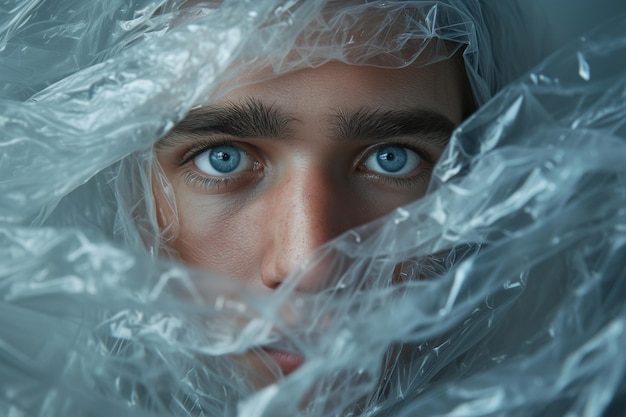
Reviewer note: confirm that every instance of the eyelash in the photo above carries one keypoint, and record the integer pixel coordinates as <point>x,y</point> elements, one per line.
<point>193,178</point>
<point>408,182</point>
<point>204,145</point>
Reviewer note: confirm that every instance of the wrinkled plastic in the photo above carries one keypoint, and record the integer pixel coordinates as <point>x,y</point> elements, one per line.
<point>519,245</point>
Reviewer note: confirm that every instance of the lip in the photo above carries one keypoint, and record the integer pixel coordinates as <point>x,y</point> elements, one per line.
<point>286,361</point>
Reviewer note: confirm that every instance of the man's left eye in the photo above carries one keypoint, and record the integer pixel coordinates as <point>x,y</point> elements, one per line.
<point>392,160</point>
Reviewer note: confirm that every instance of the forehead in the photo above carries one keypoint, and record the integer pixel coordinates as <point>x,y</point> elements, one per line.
<point>438,87</point>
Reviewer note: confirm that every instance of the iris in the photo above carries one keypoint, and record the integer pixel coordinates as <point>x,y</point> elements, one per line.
<point>391,158</point>
<point>224,159</point>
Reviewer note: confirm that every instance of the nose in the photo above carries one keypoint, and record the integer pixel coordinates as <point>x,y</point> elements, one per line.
<point>307,210</point>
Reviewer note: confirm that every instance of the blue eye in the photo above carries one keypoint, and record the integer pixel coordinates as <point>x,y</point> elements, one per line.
<point>223,161</point>
<point>392,160</point>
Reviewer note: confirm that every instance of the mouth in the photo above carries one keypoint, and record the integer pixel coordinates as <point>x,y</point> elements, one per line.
<point>286,361</point>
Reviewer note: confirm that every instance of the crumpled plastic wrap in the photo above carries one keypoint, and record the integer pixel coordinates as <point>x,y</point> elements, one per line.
<point>512,302</point>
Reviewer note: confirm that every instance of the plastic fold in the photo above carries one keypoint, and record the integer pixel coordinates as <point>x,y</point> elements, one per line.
<point>511,301</point>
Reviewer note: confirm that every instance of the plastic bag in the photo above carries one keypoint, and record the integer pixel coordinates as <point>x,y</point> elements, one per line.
<point>511,297</point>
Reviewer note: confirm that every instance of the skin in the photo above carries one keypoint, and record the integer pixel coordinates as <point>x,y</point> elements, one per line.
<point>303,185</point>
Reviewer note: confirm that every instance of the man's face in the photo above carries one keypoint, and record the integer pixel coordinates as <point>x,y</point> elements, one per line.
<point>272,170</point>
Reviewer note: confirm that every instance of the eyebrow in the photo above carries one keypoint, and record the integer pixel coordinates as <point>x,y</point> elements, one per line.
<point>249,119</point>
<point>253,118</point>
<point>379,124</point>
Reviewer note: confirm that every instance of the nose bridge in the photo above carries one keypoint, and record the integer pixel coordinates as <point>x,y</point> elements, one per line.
<point>306,216</point>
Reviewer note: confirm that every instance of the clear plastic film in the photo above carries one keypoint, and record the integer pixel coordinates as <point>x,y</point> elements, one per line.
<point>500,292</point>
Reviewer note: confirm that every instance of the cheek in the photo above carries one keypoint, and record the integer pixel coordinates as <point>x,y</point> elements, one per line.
<point>224,236</point>
<point>373,202</point>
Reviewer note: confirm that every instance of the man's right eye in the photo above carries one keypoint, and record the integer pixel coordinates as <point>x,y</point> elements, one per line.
<point>224,160</point>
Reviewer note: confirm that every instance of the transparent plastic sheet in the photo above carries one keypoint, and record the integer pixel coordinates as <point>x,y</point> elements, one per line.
<point>518,247</point>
